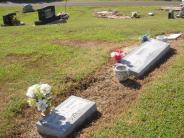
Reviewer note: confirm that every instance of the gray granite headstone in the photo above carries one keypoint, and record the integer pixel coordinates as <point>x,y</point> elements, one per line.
<point>27,8</point>
<point>142,58</point>
<point>182,11</point>
<point>66,117</point>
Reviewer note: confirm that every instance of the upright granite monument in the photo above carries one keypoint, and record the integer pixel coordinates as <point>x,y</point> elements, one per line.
<point>10,19</point>
<point>47,15</point>
<point>171,14</point>
<point>182,12</point>
<point>66,117</point>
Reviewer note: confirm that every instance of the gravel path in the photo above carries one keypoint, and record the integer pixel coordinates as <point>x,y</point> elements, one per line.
<point>117,3</point>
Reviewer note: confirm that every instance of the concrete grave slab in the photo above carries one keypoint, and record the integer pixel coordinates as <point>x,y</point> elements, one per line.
<point>174,36</point>
<point>169,37</point>
<point>142,58</point>
<point>66,117</point>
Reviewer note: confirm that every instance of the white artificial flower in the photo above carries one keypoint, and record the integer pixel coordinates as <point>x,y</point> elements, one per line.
<point>45,89</point>
<point>30,93</point>
<point>32,90</point>
<point>42,105</point>
<point>113,54</point>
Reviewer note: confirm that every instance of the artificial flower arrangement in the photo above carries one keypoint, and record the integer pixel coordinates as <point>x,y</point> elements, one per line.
<point>39,95</point>
<point>117,55</point>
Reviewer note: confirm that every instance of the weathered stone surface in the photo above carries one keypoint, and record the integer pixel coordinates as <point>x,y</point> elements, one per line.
<point>142,58</point>
<point>66,117</point>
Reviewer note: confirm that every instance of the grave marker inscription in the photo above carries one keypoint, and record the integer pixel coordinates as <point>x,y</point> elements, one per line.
<point>142,58</point>
<point>66,117</point>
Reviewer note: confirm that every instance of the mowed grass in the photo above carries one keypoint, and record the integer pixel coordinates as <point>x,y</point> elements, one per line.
<point>28,54</point>
<point>159,110</point>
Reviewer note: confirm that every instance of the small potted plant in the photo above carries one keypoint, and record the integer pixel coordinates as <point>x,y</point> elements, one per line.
<point>39,96</point>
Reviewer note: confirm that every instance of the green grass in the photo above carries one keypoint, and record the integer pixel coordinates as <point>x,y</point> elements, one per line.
<point>28,54</point>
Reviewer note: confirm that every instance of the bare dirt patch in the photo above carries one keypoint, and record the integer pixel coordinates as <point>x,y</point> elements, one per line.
<point>89,44</point>
<point>15,58</point>
<point>112,98</point>
<point>28,60</point>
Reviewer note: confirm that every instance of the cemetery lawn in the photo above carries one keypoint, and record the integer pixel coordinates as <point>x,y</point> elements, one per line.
<point>51,54</point>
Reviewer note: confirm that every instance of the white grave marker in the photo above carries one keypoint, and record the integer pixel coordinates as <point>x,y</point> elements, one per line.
<point>66,117</point>
<point>142,58</point>
<point>174,36</point>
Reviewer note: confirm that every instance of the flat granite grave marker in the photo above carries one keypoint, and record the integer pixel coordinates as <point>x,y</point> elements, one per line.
<point>142,58</point>
<point>66,117</point>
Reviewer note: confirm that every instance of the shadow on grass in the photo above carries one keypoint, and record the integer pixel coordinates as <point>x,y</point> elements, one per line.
<point>163,60</point>
<point>94,118</point>
<point>130,83</point>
